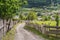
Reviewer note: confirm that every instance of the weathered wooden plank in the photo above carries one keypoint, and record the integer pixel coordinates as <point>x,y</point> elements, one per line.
<point>54,36</point>
<point>51,27</point>
<point>1,28</point>
<point>51,32</point>
<point>55,30</point>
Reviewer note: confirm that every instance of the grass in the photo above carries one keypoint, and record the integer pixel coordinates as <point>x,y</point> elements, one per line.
<point>39,33</point>
<point>51,23</point>
<point>10,35</point>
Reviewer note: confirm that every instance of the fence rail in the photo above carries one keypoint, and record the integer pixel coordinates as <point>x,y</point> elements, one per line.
<point>4,28</point>
<point>53,30</point>
<point>47,30</point>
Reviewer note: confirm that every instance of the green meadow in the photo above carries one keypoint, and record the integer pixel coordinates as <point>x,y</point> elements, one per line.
<point>51,23</point>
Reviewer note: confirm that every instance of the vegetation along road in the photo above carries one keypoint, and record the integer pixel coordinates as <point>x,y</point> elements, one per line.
<point>22,34</point>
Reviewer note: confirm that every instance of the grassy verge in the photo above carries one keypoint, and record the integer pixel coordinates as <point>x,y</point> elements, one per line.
<point>10,35</point>
<point>39,33</point>
<point>51,23</point>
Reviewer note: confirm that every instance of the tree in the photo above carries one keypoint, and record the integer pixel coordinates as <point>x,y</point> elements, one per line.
<point>45,18</point>
<point>8,9</point>
<point>22,17</point>
<point>31,15</point>
<point>39,14</point>
<point>57,19</point>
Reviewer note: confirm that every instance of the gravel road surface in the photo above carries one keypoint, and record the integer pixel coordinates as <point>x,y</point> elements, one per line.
<point>22,34</point>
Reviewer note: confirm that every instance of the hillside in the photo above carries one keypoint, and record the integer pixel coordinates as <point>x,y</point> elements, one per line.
<point>39,3</point>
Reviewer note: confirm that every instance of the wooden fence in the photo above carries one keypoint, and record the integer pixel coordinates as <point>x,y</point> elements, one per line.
<point>4,28</point>
<point>53,31</point>
<point>47,30</point>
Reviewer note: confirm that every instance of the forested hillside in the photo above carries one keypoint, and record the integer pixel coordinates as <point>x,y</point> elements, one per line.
<point>39,3</point>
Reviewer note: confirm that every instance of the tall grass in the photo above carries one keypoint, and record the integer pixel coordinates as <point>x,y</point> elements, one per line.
<point>51,23</point>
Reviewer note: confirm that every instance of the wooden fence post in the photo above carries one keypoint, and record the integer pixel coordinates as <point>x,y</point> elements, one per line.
<point>43,28</point>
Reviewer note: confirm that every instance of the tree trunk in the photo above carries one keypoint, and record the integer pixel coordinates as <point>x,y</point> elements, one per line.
<point>3,22</point>
<point>57,19</point>
<point>3,27</point>
<point>9,21</point>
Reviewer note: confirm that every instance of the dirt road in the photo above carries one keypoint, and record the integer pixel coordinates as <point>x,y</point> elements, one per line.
<point>22,34</point>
